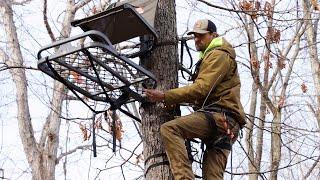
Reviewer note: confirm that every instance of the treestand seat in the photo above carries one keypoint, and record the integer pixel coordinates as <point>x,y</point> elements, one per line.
<point>124,21</point>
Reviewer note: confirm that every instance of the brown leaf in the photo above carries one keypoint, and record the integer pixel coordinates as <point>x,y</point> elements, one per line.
<point>118,129</point>
<point>281,62</point>
<point>74,76</point>
<point>268,10</point>
<point>257,5</point>
<point>276,35</point>
<point>245,5</point>
<point>139,159</point>
<point>94,10</point>
<point>304,88</point>
<point>254,62</point>
<point>252,7</point>
<point>256,9</point>
<point>85,134</point>
<point>273,35</point>
<point>98,123</point>
<point>281,102</point>
<point>315,5</point>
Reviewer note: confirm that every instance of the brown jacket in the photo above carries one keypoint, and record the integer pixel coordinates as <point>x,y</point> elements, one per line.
<point>218,75</point>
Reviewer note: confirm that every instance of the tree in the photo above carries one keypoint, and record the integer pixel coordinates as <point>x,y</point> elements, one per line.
<point>276,44</point>
<point>42,154</point>
<point>163,62</point>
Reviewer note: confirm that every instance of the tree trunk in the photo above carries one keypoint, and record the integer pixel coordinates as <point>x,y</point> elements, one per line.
<point>163,62</point>
<point>311,34</point>
<point>42,156</point>
<point>34,157</point>
<point>275,145</point>
<point>254,158</point>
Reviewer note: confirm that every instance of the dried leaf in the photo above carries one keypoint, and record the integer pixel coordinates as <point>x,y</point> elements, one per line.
<point>76,77</point>
<point>98,123</point>
<point>268,10</point>
<point>257,5</point>
<point>281,102</point>
<point>252,7</point>
<point>254,62</point>
<point>281,62</point>
<point>94,10</point>
<point>118,129</point>
<point>273,35</point>
<point>86,135</point>
<point>139,159</point>
<point>246,6</point>
<point>256,9</point>
<point>315,5</point>
<point>266,58</point>
<point>304,88</point>
<point>276,35</point>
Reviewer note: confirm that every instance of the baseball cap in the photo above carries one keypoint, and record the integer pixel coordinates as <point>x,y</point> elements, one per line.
<point>203,26</point>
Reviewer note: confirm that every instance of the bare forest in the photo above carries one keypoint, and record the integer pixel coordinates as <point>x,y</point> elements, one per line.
<point>47,133</point>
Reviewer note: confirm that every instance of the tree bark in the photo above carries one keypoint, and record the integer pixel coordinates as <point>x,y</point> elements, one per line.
<point>26,132</point>
<point>311,34</point>
<point>163,62</point>
<point>42,156</point>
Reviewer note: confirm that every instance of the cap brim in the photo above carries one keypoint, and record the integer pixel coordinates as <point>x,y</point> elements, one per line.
<point>199,31</point>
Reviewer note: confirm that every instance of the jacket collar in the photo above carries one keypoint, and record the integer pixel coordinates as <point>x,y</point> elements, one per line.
<point>216,42</point>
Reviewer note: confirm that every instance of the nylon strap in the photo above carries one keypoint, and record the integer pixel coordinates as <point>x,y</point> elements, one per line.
<point>155,164</point>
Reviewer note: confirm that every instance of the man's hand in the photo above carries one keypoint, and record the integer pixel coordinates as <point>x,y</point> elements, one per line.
<point>154,95</point>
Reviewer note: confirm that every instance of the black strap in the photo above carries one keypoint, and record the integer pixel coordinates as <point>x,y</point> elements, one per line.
<point>225,111</point>
<point>154,156</point>
<point>189,150</point>
<point>155,164</point>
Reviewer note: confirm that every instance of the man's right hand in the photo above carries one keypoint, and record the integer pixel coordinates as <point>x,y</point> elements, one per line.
<point>154,95</point>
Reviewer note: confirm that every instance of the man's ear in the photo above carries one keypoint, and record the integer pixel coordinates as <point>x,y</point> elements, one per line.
<point>214,34</point>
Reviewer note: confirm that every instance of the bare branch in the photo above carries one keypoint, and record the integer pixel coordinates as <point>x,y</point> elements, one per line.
<point>71,151</point>
<point>21,3</point>
<point>3,57</point>
<point>312,168</point>
<point>45,20</point>
<point>6,67</point>
<point>81,4</point>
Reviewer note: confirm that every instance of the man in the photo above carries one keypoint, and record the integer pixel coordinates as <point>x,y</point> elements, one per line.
<point>219,115</point>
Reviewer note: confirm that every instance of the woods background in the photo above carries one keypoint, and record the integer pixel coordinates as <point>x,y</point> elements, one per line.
<point>45,134</point>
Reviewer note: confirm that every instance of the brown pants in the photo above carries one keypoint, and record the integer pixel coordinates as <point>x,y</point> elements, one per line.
<point>194,125</point>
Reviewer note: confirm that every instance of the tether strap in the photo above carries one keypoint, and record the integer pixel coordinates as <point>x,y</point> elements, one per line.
<point>155,164</point>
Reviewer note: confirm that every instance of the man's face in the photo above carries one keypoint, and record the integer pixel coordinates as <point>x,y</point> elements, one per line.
<point>202,41</point>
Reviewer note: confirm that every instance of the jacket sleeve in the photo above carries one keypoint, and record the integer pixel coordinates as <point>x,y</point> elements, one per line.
<point>213,69</point>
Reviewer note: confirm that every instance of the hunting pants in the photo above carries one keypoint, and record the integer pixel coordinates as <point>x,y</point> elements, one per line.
<point>195,125</point>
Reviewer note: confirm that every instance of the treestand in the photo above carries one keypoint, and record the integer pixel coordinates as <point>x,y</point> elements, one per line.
<point>91,67</point>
